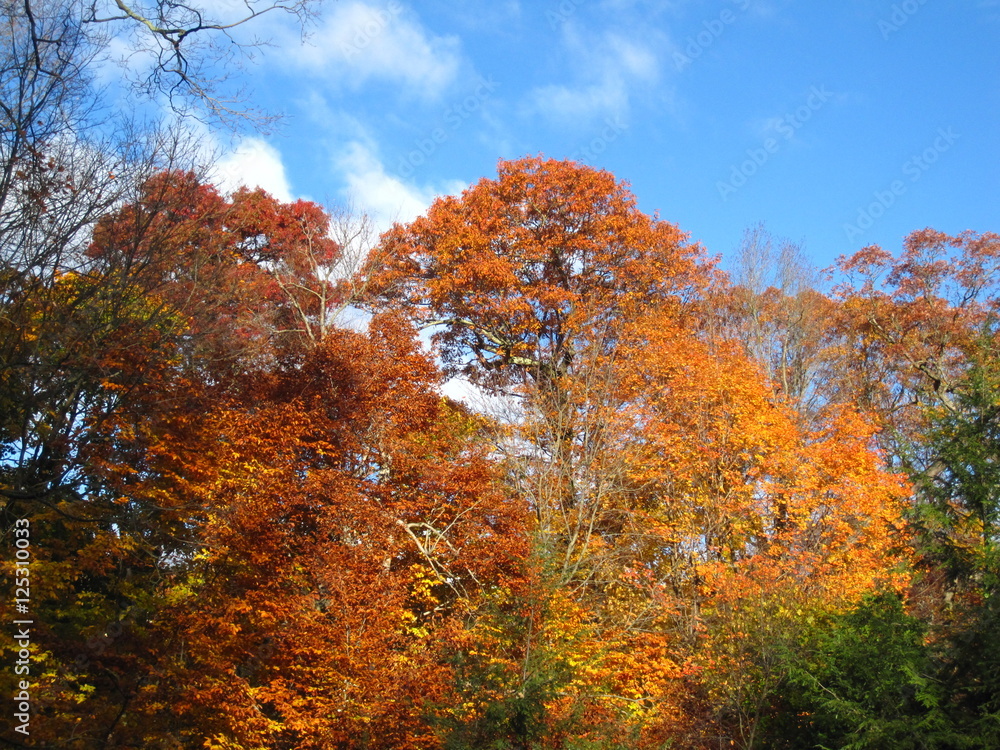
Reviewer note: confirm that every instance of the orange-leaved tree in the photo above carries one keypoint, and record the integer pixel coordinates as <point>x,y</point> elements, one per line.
<point>275,535</point>
<point>919,332</point>
<point>351,523</point>
<point>247,271</point>
<point>910,324</point>
<point>675,499</point>
<point>525,281</point>
<point>747,524</point>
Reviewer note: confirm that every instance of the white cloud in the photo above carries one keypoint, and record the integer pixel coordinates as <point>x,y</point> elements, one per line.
<point>384,196</point>
<point>361,41</point>
<point>565,104</point>
<point>608,70</point>
<point>635,60</point>
<point>254,163</point>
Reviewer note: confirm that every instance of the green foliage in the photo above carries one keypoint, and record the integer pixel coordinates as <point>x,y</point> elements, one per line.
<point>859,681</point>
<point>969,673</point>
<point>961,489</point>
<point>870,679</point>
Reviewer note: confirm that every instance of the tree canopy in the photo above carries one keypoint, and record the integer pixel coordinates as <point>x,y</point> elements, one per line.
<point>702,511</point>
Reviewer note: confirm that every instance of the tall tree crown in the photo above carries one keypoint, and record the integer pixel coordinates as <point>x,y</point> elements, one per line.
<point>527,269</point>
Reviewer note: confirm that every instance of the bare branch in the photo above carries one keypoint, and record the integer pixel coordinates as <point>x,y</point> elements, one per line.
<point>192,49</point>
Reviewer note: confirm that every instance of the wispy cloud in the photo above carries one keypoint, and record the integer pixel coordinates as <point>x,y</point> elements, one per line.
<point>359,42</point>
<point>607,72</point>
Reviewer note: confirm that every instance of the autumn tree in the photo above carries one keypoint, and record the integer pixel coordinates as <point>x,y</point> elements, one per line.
<point>911,324</point>
<point>922,340</point>
<point>79,343</point>
<point>350,524</point>
<point>60,172</point>
<point>775,307</point>
<point>920,333</point>
<point>745,522</point>
<point>248,271</point>
<point>677,502</point>
<point>525,280</point>
<point>128,316</point>
<point>289,527</point>
<point>120,350</point>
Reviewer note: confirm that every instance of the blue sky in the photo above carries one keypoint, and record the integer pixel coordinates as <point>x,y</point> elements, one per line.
<point>839,124</point>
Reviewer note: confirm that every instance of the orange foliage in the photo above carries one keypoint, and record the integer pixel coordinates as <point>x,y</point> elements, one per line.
<point>525,272</point>
<point>332,555</point>
<point>747,524</point>
<point>349,525</point>
<point>910,324</point>
<point>677,500</point>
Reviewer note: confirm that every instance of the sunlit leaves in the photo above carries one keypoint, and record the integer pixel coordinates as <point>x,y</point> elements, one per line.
<point>296,541</point>
<point>524,271</point>
<point>676,497</point>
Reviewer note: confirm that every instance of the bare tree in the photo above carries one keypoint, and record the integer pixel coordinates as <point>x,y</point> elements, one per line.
<point>181,50</point>
<point>779,314</point>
